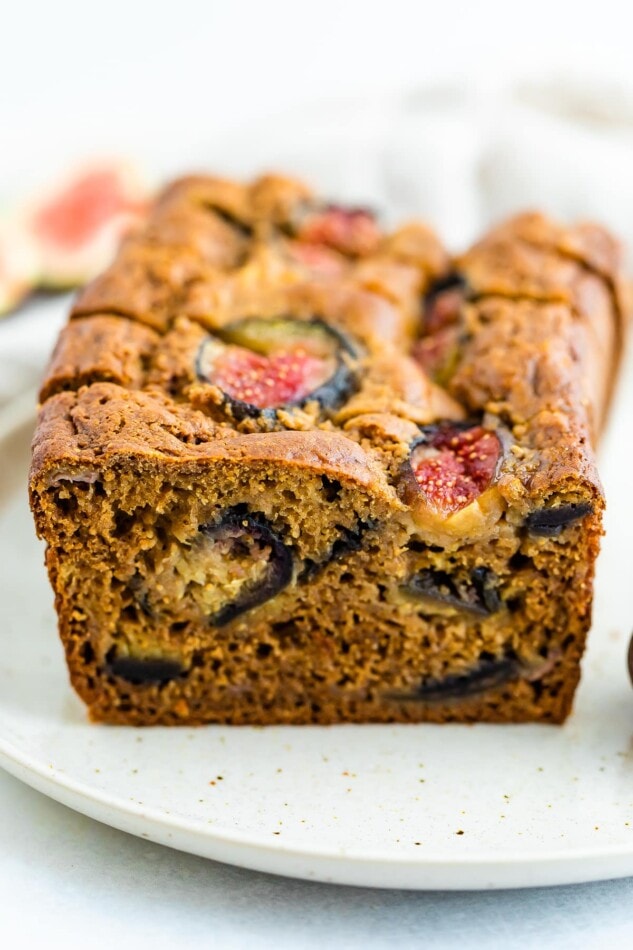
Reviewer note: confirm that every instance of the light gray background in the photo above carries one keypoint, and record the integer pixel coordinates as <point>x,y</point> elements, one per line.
<point>170,84</point>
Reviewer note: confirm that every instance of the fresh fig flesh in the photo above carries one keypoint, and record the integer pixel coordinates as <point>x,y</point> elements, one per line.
<point>438,348</point>
<point>443,311</point>
<point>478,595</point>
<point>489,673</point>
<point>454,280</point>
<point>267,364</point>
<point>241,539</point>
<point>86,205</point>
<point>550,522</point>
<point>453,464</point>
<point>316,258</point>
<point>144,670</point>
<point>352,231</point>
<point>349,540</point>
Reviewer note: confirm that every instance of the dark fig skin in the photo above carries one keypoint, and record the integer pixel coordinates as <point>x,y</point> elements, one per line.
<point>484,582</point>
<point>488,674</point>
<point>630,659</point>
<point>452,281</point>
<point>135,584</point>
<point>141,671</point>
<point>478,597</point>
<point>350,540</point>
<point>329,395</point>
<point>280,568</point>
<point>550,522</point>
<point>240,226</point>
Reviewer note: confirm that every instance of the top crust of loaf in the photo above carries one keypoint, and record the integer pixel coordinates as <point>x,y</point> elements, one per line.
<point>544,316</point>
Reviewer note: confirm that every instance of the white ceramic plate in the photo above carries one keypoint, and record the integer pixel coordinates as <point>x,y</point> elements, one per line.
<point>406,806</point>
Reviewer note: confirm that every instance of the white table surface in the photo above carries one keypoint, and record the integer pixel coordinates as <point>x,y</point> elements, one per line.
<point>75,79</point>
<point>67,880</point>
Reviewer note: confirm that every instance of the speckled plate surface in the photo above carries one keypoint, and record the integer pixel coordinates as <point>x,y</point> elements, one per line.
<point>407,806</point>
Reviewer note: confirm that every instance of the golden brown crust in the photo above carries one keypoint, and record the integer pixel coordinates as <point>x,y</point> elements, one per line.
<point>532,257</point>
<point>140,465</point>
<point>99,349</point>
<point>104,420</point>
<point>589,244</point>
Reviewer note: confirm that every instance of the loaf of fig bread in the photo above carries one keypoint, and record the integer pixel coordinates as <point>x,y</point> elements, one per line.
<point>290,468</point>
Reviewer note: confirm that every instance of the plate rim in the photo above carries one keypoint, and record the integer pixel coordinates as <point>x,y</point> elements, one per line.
<point>430,871</point>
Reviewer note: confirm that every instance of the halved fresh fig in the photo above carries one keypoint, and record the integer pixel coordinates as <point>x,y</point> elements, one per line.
<point>449,482</point>
<point>475,594</point>
<point>489,673</point>
<point>19,265</point>
<point>549,522</point>
<point>78,225</point>
<point>265,364</point>
<point>454,463</point>
<point>352,231</point>
<point>241,564</point>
